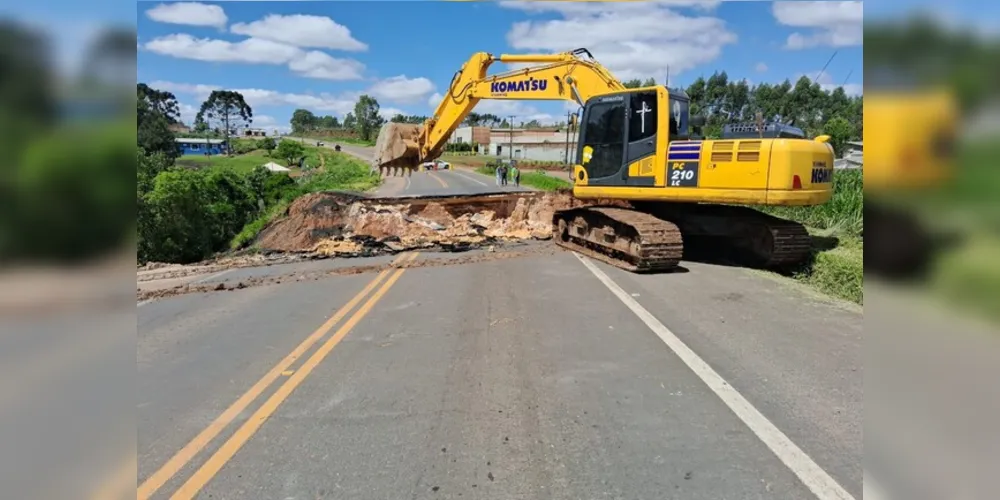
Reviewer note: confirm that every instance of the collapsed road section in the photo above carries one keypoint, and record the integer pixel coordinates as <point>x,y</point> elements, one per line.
<point>337,224</point>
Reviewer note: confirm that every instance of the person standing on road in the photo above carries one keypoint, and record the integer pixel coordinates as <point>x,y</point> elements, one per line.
<point>497,171</point>
<point>515,173</point>
<point>503,175</point>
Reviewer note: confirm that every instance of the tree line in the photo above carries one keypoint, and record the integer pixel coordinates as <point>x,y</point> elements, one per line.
<point>804,104</point>
<point>365,120</point>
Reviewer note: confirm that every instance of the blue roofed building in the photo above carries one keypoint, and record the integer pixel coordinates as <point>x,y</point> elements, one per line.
<point>200,146</point>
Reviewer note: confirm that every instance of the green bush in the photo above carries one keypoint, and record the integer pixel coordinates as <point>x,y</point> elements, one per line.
<point>458,147</point>
<point>67,198</point>
<point>190,214</point>
<point>244,146</point>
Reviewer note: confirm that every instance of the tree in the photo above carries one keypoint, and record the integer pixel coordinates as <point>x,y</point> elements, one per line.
<point>27,99</point>
<point>153,132</point>
<point>303,121</point>
<point>158,101</point>
<point>350,121</point>
<point>328,122</point>
<point>226,110</point>
<point>533,124</point>
<point>633,83</point>
<point>398,118</point>
<point>290,151</point>
<point>367,118</point>
<point>840,131</point>
<point>267,144</point>
<point>111,58</point>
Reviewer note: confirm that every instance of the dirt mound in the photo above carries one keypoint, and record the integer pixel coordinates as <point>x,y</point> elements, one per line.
<point>309,219</point>
<point>333,224</point>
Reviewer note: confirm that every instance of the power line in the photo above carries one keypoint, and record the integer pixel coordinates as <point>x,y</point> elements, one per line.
<point>828,61</point>
<point>849,73</point>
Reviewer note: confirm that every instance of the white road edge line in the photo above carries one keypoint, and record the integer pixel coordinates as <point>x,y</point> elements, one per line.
<point>477,181</point>
<point>811,474</point>
<point>407,184</point>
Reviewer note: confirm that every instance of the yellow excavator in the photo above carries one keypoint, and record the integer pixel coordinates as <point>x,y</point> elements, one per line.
<point>655,188</point>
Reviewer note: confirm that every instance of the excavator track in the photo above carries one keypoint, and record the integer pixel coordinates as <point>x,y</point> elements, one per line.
<point>740,234</point>
<point>624,238</point>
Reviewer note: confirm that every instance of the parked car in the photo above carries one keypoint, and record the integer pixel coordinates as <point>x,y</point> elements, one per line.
<point>435,165</point>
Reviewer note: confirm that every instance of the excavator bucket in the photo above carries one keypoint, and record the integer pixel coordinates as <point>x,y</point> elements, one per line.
<point>397,146</point>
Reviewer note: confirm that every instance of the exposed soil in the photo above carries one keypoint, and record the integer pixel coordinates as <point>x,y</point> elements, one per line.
<point>529,251</point>
<point>333,224</point>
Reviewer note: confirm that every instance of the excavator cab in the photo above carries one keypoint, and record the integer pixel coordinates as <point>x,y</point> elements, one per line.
<point>620,135</point>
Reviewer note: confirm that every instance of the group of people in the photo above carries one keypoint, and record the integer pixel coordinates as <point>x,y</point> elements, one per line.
<point>504,171</point>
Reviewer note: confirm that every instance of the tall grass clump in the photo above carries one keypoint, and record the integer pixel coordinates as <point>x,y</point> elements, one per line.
<point>843,214</point>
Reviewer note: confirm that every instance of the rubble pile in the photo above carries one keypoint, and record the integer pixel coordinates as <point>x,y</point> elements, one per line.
<point>336,225</point>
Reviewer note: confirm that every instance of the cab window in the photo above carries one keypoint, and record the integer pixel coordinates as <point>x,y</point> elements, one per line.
<point>642,116</point>
<point>604,131</point>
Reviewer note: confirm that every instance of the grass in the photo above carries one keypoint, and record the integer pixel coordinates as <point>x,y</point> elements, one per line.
<point>968,277</point>
<point>245,163</point>
<point>341,172</point>
<point>483,160</point>
<point>842,215</point>
<point>838,272</point>
<point>536,179</point>
<point>340,138</point>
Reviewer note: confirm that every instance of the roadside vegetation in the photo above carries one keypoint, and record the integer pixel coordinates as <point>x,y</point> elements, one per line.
<point>837,267</point>
<point>537,179</point>
<point>190,208</point>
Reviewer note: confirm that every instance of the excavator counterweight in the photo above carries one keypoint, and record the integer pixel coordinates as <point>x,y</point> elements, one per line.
<point>654,190</point>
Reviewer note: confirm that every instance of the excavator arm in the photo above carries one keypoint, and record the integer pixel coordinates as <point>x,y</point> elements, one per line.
<point>572,76</point>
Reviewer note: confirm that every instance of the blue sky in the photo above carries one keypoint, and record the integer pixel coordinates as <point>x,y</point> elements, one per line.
<point>322,55</point>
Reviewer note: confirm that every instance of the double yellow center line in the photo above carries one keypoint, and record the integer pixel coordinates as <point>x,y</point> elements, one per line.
<point>211,467</point>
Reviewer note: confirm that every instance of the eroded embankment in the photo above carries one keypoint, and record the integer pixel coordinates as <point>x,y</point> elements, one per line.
<point>341,225</point>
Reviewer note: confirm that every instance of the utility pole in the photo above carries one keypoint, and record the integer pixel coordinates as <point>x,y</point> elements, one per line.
<point>568,125</point>
<point>511,152</point>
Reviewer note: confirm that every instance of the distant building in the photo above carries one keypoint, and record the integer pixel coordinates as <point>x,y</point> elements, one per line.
<point>179,128</point>
<point>199,146</point>
<point>853,156</point>
<point>254,132</point>
<point>471,135</point>
<point>533,144</point>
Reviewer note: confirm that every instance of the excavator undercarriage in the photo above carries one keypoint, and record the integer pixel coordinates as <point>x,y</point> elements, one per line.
<point>652,237</point>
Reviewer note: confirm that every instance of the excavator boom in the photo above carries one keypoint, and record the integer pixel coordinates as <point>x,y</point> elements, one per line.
<point>571,76</point>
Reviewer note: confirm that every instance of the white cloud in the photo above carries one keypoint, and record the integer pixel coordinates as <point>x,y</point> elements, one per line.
<point>761,67</point>
<point>189,13</point>
<point>832,24</point>
<point>187,112</point>
<point>402,89</point>
<point>301,31</point>
<point>825,82</point>
<point>590,7</point>
<point>388,113</point>
<point>260,98</point>
<point>316,64</point>
<point>434,100</point>
<point>251,50</point>
<point>519,110</point>
<point>633,39</point>
<point>312,64</point>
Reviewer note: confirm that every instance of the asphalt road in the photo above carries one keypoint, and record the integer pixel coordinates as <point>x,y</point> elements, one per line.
<point>524,377</point>
<point>430,183</point>
<point>533,373</point>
